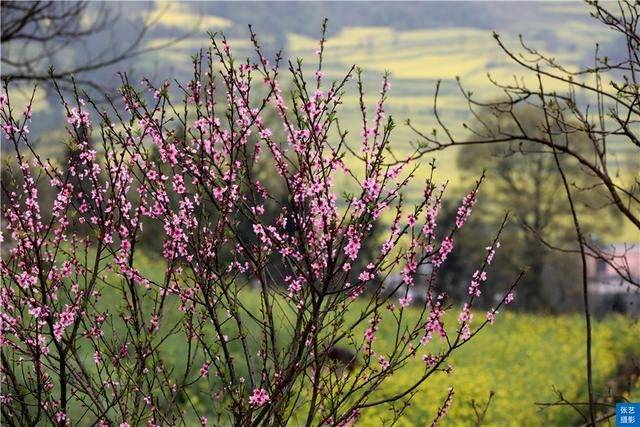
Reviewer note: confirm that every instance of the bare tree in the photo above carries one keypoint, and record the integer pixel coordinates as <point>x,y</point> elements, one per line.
<point>36,33</point>
<point>600,105</point>
<point>526,182</point>
<point>602,102</point>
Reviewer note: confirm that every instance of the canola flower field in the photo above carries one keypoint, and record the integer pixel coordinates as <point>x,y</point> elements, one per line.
<point>522,358</point>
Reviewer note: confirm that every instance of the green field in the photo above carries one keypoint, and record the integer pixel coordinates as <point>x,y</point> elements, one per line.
<point>522,358</point>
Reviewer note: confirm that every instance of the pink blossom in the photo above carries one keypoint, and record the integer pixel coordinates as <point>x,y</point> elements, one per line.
<point>464,319</point>
<point>509,298</point>
<point>406,301</point>
<point>464,211</point>
<point>353,245</point>
<point>78,118</point>
<point>265,133</point>
<point>259,397</point>
<point>384,363</point>
<point>491,315</point>
<point>445,248</point>
<point>65,319</point>
<point>204,370</point>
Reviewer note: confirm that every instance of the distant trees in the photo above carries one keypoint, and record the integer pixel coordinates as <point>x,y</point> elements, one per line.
<point>524,180</point>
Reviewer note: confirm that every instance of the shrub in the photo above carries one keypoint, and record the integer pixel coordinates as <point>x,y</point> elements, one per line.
<point>88,338</point>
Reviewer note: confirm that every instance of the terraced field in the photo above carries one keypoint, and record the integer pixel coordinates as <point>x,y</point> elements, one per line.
<point>416,58</point>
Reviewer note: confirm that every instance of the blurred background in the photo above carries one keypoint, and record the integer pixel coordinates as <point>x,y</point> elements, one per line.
<point>419,44</point>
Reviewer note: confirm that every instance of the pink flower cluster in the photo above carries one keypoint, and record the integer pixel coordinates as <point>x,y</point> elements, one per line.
<point>464,211</point>
<point>78,118</point>
<point>259,397</point>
